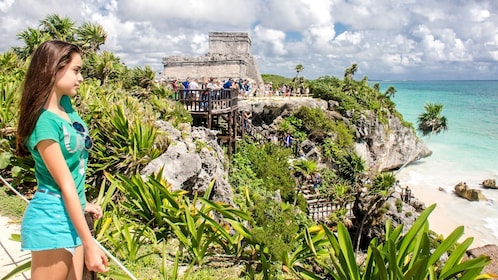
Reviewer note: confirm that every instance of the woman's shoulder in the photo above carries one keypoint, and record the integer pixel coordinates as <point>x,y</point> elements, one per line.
<point>48,120</point>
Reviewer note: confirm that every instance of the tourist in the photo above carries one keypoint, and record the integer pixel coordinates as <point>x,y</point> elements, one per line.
<point>54,227</point>
<point>185,85</point>
<point>174,86</point>
<point>288,140</point>
<point>247,120</point>
<point>228,84</point>
<point>317,180</point>
<point>302,155</point>
<point>397,187</point>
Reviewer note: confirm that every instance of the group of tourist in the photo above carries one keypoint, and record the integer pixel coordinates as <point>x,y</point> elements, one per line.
<point>285,90</point>
<point>244,86</point>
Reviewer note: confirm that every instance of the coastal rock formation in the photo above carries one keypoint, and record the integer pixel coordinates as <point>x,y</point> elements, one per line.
<point>462,190</point>
<point>489,184</point>
<point>490,250</point>
<point>383,146</point>
<point>387,146</point>
<point>192,161</point>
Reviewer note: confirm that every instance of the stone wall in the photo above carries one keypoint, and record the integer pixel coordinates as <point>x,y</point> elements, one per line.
<point>229,56</point>
<point>229,43</point>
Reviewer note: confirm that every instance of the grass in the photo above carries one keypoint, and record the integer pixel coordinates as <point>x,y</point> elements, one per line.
<point>11,205</point>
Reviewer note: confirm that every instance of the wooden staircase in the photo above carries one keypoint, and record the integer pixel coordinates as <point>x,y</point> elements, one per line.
<point>320,207</point>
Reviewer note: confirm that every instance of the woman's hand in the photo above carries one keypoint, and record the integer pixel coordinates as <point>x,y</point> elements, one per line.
<point>94,209</point>
<point>95,258</point>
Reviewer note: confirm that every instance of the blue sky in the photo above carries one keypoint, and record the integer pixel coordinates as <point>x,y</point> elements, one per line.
<point>388,39</point>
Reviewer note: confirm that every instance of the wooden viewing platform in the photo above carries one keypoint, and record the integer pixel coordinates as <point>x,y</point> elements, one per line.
<point>214,109</point>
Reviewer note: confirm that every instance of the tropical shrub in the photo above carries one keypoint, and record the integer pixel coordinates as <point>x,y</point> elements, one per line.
<point>407,256</point>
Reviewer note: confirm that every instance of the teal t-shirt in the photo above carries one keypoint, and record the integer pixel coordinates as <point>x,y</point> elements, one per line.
<point>51,126</point>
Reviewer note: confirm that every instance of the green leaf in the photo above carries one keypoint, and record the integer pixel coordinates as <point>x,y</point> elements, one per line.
<point>19,269</point>
<point>348,251</point>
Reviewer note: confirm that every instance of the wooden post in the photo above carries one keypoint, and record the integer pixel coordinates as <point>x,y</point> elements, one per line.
<point>87,274</point>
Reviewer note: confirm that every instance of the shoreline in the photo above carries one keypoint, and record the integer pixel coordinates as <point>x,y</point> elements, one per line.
<point>433,182</point>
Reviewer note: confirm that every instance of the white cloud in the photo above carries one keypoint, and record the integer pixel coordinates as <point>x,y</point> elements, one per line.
<point>388,39</point>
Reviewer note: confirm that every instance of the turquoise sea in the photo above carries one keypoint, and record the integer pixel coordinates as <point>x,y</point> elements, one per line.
<point>467,151</point>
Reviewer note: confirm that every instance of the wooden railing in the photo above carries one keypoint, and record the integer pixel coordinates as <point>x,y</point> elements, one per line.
<point>321,210</point>
<point>207,100</point>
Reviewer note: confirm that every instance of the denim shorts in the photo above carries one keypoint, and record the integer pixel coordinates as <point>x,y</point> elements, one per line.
<point>46,224</point>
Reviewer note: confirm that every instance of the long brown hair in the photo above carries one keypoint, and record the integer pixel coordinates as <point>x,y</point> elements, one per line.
<point>47,61</point>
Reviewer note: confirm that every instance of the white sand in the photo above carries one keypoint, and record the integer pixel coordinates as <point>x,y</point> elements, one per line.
<point>480,219</point>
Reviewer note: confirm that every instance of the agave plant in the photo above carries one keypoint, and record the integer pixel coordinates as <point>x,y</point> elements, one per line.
<point>150,201</point>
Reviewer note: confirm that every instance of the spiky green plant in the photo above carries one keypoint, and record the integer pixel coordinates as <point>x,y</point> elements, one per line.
<point>403,256</point>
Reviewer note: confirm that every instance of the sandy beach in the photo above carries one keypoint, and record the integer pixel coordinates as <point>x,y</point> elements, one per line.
<point>433,182</point>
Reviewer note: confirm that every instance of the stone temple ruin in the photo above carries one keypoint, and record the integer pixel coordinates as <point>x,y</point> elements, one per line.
<point>229,56</point>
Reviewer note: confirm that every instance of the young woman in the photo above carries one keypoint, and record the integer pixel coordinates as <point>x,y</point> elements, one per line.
<point>54,227</point>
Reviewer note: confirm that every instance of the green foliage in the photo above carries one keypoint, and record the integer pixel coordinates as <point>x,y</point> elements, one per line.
<point>259,159</point>
<point>276,80</point>
<point>335,136</point>
<point>104,67</point>
<point>9,204</point>
<point>383,183</point>
<point>126,238</point>
<point>431,122</point>
<point>149,202</point>
<point>355,98</point>
<point>10,97</point>
<point>88,36</point>
<point>124,145</point>
<point>399,205</point>
<point>174,112</point>
<point>405,256</point>
<point>275,226</point>
<point>350,166</point>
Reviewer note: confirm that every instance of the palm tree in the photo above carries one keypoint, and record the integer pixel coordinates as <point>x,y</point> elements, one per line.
<point>32,38</point>
<point>391,91</point>
<point>299,68</point>
<point>90,37</point>
<point>431,122</point>
<point>58,28</point>
<point>350,71</point>
<point>105,66</point>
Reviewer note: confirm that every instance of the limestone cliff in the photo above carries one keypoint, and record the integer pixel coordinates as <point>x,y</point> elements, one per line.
<point>194,159</point>
<point>383,145</point>
<point>387,146</point>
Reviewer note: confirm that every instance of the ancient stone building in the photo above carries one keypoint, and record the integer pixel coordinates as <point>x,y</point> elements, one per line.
<point>229,56</point>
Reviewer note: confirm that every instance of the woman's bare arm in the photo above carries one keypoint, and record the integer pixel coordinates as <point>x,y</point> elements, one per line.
<point>51,153</point>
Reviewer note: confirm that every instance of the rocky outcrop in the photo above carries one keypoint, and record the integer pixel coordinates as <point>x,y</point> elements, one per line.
<point>490,250</point>
<point>387,145</point>
<point>489,184</point>
<point>192,161</point>
<point>383,145</point>
<point>462,190</point>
